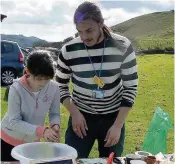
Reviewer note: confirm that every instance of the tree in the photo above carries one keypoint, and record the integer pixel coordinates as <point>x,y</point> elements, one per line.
<point>40,44</point>
<point>76,35</point>
<point>68,39</point>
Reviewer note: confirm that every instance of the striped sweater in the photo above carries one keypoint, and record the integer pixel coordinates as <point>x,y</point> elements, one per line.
<point>119,73</point>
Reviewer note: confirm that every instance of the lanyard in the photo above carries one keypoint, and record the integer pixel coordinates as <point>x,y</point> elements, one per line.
<point>101,59</point>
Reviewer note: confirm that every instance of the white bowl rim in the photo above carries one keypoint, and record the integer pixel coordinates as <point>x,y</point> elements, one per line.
<point>18,156</point>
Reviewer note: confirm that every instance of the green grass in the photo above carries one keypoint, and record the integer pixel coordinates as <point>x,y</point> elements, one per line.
<point>155,89</point>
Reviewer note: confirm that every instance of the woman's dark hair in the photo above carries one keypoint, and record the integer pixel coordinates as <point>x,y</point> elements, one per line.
<point>89,10</point>
<point>40,63</point>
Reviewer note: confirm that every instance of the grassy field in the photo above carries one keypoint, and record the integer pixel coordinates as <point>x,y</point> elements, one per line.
<point>155,44</point>
<point>155,89</point>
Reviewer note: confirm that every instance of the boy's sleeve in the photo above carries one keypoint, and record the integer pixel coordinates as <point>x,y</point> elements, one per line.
<point>15,118</point>
<point>54,112</point>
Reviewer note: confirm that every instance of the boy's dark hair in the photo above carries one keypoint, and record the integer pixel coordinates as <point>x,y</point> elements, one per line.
<point>40,63</point>
<point>89,10</point>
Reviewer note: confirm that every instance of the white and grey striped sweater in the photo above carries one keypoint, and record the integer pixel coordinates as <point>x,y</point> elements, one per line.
<point>119,73</point>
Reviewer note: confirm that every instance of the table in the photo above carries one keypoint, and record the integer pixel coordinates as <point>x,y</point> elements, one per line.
<point>92,160</point>
<point>88,161</point>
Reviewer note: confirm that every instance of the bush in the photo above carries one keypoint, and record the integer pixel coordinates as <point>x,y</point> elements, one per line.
<point>155,44</point>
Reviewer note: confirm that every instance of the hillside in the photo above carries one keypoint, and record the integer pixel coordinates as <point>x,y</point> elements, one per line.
<point>22,40</point>
<point>154,27</point>
<point>154,31</point>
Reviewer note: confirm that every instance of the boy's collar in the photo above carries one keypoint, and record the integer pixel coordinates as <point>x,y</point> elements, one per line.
<point>24,81</point>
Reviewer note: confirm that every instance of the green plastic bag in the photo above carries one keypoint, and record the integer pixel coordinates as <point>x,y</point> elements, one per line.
<point>155,139</point>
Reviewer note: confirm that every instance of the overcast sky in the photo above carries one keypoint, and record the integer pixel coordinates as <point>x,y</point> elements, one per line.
<point>52,20</point>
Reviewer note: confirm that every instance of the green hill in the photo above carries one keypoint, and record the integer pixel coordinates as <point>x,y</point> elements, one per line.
<point>150,31</point>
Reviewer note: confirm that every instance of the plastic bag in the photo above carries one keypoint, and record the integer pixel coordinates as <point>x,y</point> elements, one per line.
<point>155,139</point>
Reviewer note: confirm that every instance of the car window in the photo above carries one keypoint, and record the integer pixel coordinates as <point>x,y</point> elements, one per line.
<point>2,48</point>
<point>7,47</point>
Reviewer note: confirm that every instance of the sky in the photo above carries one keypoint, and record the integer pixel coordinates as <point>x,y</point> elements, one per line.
<point>52,20</point>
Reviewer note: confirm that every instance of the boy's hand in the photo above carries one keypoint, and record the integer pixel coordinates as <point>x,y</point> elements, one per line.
<point>56,129</point>
<point>51,135</point>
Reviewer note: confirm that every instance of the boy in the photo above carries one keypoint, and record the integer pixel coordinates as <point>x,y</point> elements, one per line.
<point>30,98</point>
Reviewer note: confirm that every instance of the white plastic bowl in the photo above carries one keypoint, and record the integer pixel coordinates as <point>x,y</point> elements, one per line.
<point>28,152</point>
<point>137,162</point>
<point>143,153</point>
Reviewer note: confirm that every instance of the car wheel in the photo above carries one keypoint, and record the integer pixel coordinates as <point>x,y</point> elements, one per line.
<point>7,76</point>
